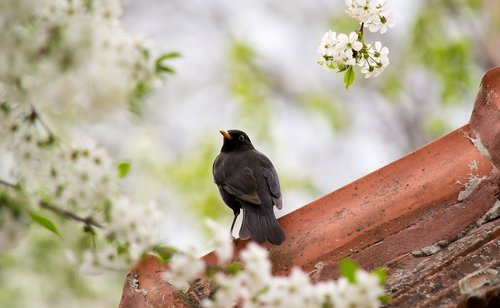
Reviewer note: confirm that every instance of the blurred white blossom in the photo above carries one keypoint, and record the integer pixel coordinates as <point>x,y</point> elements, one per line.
<point>80,177</point>
<point>63,61</point>
<point>71,55</point>
<point>228,292</point>
<point>107,258</point>
<point>253,285</point>
<point>222,241</point>
<point>135,226</point>
<point>183,268</point>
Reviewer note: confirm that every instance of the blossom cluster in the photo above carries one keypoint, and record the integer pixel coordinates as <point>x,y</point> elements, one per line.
<point>253,285</point>
<point>373,14</point>
<point>76,176</point>
<point>79,178</point>
<point>66,54</point>
<point>344,51</point>
<point>130,230</point>
<point>62,61</point>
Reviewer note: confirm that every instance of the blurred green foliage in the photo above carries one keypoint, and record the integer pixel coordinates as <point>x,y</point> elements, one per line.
<point>252,90</point>
<point>442,44</point>
<point>435,44</point>
<point>325,105</point>
<point>435,126</point>
<point>191,175</point>
<point>37,274</point>
<point>162,67</point>
<point>342,23</point>
<point>249,85</point>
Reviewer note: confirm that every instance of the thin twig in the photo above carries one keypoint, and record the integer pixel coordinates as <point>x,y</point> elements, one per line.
<point>9,185</point>
<point>89,221</point>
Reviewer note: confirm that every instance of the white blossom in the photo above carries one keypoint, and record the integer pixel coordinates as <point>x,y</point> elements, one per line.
<point>62,61</point>
<point>324,293</point>
<point>222,241</point>
<point>80,177</point>
<point>372,13</point>
<point>71,56</point>
<point>183,267</point>
<point>342,51</point>
<point>337,51</point>
<point>350,43</point>
<point>363,10</point>
<point>369,288</point>
<point>95,262</point>
<point>228,292</point>
<point>292,291</point>
<point>133,225</point>
<point>383,22</point>
<point>253,288</point>
<point>375,60</point>
<point>257,265</point>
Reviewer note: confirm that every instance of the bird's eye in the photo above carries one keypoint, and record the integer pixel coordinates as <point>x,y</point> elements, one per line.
<point>241,137</point>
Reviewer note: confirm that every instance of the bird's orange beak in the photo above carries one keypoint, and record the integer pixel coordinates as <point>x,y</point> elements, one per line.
<point>226,134</point>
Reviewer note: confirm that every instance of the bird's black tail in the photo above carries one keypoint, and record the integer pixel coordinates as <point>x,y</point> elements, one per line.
<point>261,226</point>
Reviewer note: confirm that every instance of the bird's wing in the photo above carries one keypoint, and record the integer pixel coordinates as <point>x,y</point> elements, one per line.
<point>243,185</point>
<point>274,185</point>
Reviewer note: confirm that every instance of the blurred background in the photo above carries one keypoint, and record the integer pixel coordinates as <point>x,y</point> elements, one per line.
<point>251,65</point>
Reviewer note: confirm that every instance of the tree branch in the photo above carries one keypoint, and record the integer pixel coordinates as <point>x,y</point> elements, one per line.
<point>9,185</point>
<point>89,221</point>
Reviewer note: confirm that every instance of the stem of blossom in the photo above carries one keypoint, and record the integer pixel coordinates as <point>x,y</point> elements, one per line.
<point>89,221</point>
<point>361,28</point>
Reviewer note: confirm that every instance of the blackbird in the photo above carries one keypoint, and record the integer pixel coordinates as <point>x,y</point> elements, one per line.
<point>247,180</point>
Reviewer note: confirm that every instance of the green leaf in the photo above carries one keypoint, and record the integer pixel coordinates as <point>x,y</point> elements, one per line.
<point>142,88</point>
<point>163,252</point>
<point>168,55</point>
<point>44,222</point>
<point>123,169</point>
<point>348,77</point>
<point>384,299</point>
<point>165,69</point>
<point>161,67</point>
<point>234,268</point>
<point>121,249</point>
<point>348,269</point>
<point>381,274</point>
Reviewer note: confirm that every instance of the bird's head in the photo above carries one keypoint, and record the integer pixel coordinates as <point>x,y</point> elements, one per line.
<point>235,140</point>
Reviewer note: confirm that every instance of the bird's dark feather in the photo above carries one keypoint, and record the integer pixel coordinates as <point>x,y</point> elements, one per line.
<point>243,185</point>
